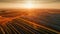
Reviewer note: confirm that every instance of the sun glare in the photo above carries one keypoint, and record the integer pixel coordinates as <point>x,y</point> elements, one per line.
<point>28,4</point>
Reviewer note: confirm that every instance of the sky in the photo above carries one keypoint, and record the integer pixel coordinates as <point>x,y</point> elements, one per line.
<point>55,4</point>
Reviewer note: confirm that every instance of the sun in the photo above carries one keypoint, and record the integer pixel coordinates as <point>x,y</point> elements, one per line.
<point>28,5</point>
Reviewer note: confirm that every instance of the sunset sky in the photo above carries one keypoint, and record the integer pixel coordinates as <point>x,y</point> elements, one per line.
<point>55,4</point>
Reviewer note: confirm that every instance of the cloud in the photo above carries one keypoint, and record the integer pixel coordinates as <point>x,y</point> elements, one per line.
<point>29,0</point>
<point>10,0</point>
<point>48,1</point>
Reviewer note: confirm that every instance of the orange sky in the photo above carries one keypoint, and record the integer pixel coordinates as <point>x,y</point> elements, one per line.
<point>36,4</point>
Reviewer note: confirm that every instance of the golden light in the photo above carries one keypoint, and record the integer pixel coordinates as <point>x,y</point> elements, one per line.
<point>28,4</point>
